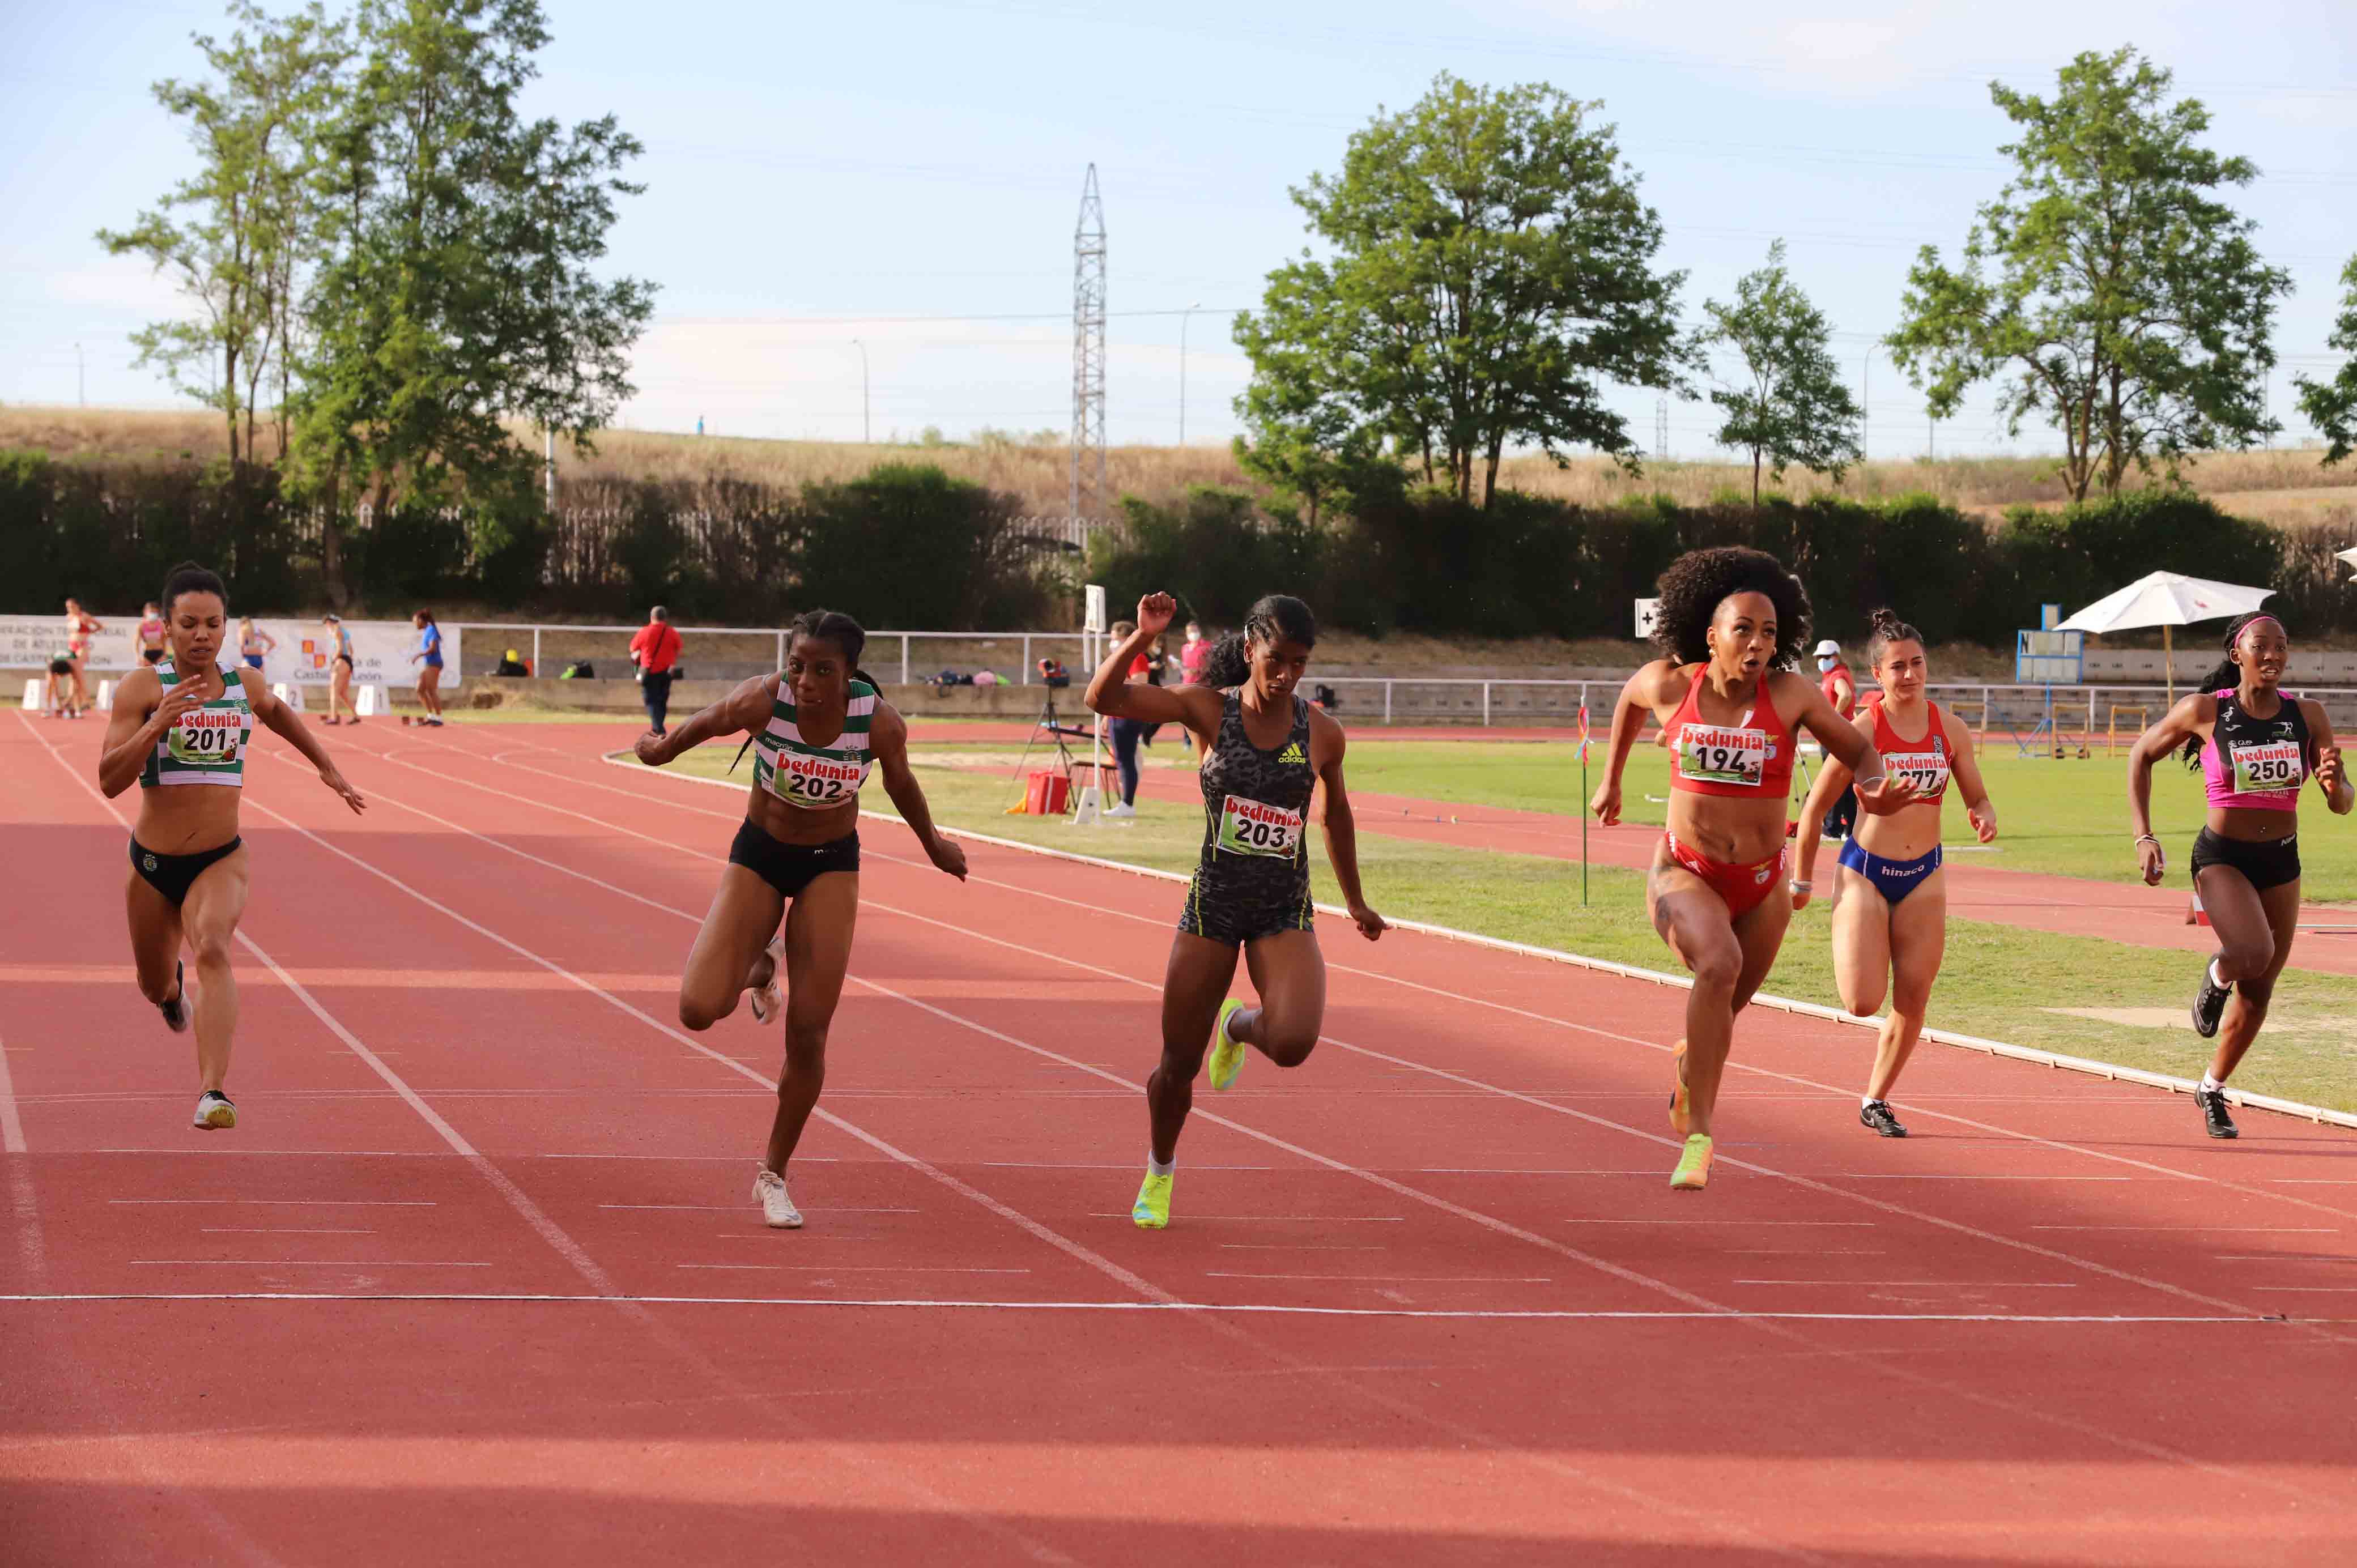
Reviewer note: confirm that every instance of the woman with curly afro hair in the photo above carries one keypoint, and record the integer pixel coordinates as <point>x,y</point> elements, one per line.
<point>1731,625</point>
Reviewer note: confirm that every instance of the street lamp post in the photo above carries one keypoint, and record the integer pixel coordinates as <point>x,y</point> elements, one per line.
<point>1182,368</point>
<point>867,431</point>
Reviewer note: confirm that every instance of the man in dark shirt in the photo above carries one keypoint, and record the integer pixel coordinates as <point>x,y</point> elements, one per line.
<point>655,650</point>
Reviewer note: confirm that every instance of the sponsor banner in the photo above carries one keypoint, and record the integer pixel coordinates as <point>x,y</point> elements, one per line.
<point>380,649</point>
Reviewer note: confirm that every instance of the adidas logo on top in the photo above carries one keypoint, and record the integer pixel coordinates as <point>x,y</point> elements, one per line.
<point>1292,753</point>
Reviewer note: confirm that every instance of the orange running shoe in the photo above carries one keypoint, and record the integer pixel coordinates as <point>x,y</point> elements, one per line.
<point>1694,1165</point>
<point>1681,1118</point>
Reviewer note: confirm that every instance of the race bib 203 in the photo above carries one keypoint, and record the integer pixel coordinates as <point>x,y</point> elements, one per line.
<point>1254,827</point>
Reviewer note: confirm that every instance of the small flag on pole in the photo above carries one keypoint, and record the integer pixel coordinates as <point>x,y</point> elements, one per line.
<point>1583,733</point>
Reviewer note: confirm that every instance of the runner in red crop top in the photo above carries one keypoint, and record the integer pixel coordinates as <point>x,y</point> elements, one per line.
<point>1890,893</point>
<point>1732,621</point>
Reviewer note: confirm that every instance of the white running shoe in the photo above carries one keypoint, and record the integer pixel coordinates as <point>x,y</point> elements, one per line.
<point>214,1110</point>
<point>767,1000</point>
<point>777,1211</point>
<point>181,1008</point>
<point>1121,810</point>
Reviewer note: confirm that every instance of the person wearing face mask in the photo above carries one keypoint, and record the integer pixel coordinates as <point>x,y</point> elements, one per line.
<point>1192,652</point>
<point>1840,688</point>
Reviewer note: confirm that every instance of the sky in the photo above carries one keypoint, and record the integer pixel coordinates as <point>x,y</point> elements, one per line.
<point>890,189</point>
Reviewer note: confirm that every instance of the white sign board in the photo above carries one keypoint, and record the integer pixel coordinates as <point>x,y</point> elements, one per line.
<point>380,649</point>
<point>1094,616</point>
<point>1647,610</point>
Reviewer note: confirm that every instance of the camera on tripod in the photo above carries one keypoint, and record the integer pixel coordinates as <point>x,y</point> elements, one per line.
<point>1053,674</point>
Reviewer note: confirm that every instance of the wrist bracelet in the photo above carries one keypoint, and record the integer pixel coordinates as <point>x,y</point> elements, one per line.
<point>2147,838</point>
<point>1801,886</point>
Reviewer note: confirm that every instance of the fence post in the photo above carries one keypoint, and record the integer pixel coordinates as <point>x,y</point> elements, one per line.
<point>1485,704</point>
<point>1387,702</point>
<point>1986,715</point>
<point>782,649</point>
<point>1026,659</point>
<point>2091,715</point>
<point>535,654</point>
<point>904,658</point>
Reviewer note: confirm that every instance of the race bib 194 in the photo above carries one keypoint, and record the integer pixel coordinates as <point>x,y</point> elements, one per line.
<point>1710,754</point>
<point>2269,765</point>
<point>1927,770</point>
<point>814,783</point>
<point>206,737</point>
<point>1254,827</point>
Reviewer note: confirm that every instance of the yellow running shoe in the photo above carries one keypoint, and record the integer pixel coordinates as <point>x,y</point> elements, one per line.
<point>1681,1114</point>
<point>1694,1166</point>
<point>1152,1209</point>
<point>1227,1055</point>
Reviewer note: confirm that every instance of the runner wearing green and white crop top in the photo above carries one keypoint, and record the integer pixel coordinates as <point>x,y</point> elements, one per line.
<point>816,728</point>
<point>188,721</point>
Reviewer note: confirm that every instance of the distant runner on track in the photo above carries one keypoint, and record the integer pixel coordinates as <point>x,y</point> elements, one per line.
<point>1263,750</point>
<point>1733,623</point>
<point>187,721</point>
<point>2256,746</point>
<point>815,728</point>
<point>1891,912</point>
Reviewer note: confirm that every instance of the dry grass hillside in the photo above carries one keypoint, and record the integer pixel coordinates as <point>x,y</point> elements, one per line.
<point>2289,487</point>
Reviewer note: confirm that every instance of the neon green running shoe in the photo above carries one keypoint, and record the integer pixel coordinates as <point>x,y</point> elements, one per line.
<point>1227,1055</point>
<point>1694,1166</point>
<point>1152,1209</point>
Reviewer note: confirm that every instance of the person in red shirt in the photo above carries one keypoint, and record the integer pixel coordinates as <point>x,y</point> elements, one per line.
<point>655,650</point>
<point>1840,688</point>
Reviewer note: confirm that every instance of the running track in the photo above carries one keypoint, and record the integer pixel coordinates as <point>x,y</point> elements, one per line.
<point>478,1271</point>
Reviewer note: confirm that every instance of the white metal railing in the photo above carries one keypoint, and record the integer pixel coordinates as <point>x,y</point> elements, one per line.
<point>906,639</point>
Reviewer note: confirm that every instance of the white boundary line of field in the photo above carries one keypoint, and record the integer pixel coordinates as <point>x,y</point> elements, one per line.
<point>1631,971</point>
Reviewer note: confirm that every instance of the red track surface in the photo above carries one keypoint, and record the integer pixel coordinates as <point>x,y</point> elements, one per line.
<point>476,1280</point>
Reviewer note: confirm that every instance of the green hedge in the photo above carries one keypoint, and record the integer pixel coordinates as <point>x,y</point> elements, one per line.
<point>1428,562</point>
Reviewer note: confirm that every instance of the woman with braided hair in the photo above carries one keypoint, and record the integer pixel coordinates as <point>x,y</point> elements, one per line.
<point>1891,897</point>
<point>817,727</point>
<point>2256,746</point>
<point>1732,624</point>
<point>1264,747</point>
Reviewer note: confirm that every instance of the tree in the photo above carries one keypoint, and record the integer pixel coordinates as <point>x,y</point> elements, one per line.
<point>2118,297</point>
<point>458,292</point>
<point>2331,406</point>
<point>232,233</point>
<point>1490,267</point>
<point>1796,408</point>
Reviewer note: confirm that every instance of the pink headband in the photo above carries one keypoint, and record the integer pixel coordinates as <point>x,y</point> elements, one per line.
<point>2254,620</point>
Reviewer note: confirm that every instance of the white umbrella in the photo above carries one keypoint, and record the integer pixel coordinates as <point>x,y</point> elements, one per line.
<point>2350,556</point>
<point>2168,600</point>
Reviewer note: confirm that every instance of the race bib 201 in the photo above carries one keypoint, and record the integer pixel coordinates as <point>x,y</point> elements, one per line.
<point>206,737</point>
<point>1254,827</point>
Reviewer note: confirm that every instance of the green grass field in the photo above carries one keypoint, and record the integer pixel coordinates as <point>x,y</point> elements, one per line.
<point>1998,982</point>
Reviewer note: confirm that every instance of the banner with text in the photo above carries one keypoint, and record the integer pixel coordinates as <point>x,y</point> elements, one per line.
<point>296,650</point>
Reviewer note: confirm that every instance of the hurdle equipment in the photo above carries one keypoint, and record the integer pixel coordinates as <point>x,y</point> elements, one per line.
<point>2112,724</point>
<point>33,692</point>
<point>106,696</point>
<point>369,701</point>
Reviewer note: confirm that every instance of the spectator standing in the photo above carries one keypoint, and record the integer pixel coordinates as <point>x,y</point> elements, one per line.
<point>655,650</point>
<point>1193,652</point>
<point>1841,689</point>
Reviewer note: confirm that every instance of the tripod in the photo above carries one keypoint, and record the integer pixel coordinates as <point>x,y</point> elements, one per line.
<point>1051,725</point>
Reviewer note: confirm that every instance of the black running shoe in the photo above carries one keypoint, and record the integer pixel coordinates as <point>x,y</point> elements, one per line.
<point>176,1011</point>
<point>2213,1112</point>
<point>2209,1003</point>
<point>1876,1114</point>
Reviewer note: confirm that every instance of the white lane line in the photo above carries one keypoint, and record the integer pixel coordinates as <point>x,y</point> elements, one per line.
<point>2282,1258</point>
<point>852,1267</point>
<point>1106,1266</point>
<point>1207,1308</point>
<point>1093,1165</point>
<point>1682,1221</point>
<point>272,1231</point>
<point>1942,1284</point>
<point>1396,1279</point>
<point>735,1207</point>
<point>296,1202</point>
<point>1911,1175</point>
<point>1522,1170</point>
<point>355,1263</point>
<point>1298,1247</point>
<point>2213,1230</point>
<point>1287,1219</point>
<point>1486,1221</point>
<point>216,1152</point>
<point>2306,1290</point>
<point>23,1203</point>
<point>1803,1252</point>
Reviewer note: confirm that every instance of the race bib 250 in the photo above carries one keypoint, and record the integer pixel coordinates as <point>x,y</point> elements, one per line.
<point>2268,765</point>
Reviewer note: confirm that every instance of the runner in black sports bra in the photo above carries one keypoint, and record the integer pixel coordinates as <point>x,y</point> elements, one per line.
<point>1263,750</point>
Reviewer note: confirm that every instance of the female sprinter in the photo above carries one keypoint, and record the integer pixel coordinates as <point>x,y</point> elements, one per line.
<point>1733,623</point>
<point>1263,748</point>
<point>1891,904</point>
<point>816,726</point>
<point>80,627</point>
<point>339,672</point>
<point>2254,746</point>
<point>254,645</point>
<point>429,675</point>
<point>187,722</point>
<point>151,634</point>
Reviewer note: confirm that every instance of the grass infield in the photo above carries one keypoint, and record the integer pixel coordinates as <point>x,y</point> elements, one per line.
<point>1997,982</point>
